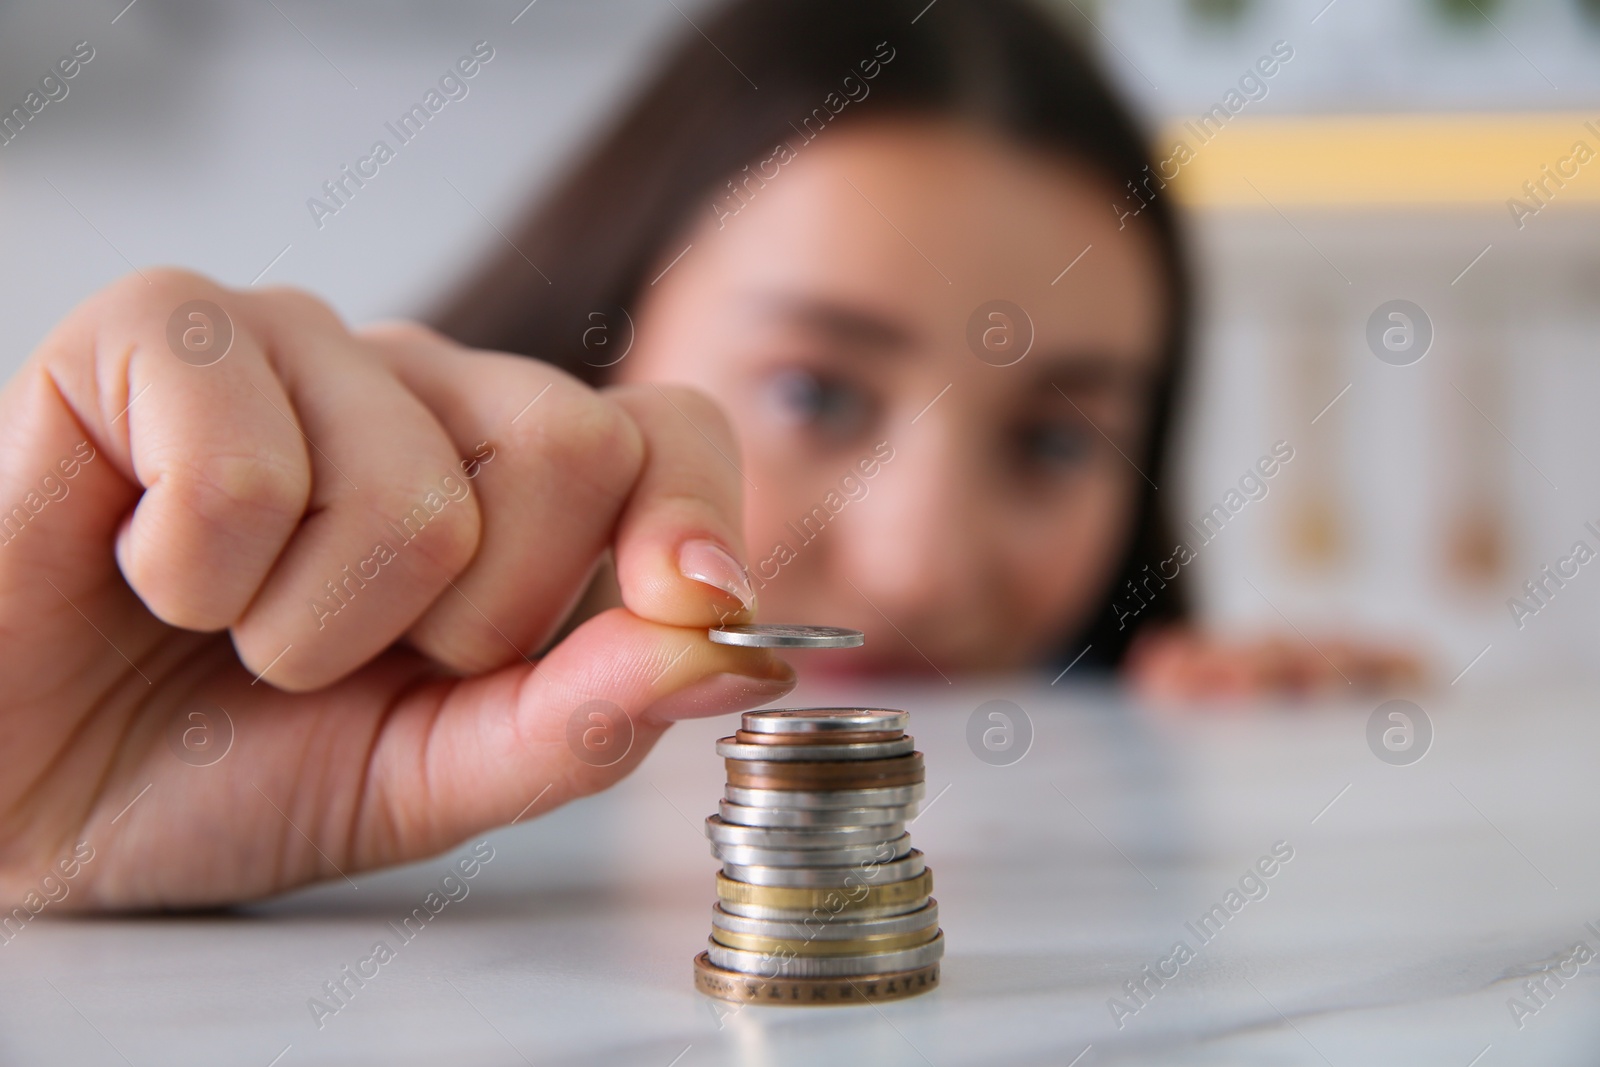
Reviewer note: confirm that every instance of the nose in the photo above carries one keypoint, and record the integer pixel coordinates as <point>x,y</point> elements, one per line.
<point>917,550</point>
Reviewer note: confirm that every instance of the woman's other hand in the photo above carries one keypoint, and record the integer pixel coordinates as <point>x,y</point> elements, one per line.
<point>1177,664</point>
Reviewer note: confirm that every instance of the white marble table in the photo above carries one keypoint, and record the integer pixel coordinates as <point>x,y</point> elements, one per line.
<point>1415,906</point>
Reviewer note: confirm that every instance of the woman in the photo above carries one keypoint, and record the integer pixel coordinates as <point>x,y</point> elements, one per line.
<point>826,295</point>
<point>1022,523</point>
<point>269,584</point>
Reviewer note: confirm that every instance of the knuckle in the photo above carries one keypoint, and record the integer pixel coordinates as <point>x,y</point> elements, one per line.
<point>130,316</point>
<point>403,332</point>
<point>286,303</point>
<point>144,301</point>
<point>458,537</point>
<point>152,581</point>
<point>187,574</point>
<point>260,650</point>
<point>588,437</point>
<point>228,488</point>
<point>168,279</point>
<point>445,526</point>
<point>698,406</point>
<point>690,413</point>
<point>465,645</point>
<point>161,286</point>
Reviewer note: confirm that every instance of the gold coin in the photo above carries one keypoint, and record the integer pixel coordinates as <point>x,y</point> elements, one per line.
<point>756,989</point>
<point>855,946</point>
<point>836,900</point>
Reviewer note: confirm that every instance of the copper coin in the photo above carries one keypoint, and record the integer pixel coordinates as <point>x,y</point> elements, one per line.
<point>768,782</point>
<point>806,773</point>
<point>843,737</point>
<point>759,989</point>
<point>881,781</point>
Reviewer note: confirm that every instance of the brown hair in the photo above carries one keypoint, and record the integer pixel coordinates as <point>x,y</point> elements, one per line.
<point>594,241</point>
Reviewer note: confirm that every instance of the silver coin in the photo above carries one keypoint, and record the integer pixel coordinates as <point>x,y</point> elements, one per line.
<point>823,720</point>
<point>775,966</point>
<point>729,748</point>
<point>775,635</point>
<point>827,799</point>
<point>806,837</point>
<point>841,856</point>
<point>744,815</point>
<point>846,910</point>
<point>868,874</point>
<point>828,928</point>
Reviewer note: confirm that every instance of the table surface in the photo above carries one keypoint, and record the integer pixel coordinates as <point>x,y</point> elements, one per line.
<point>1418,902</point>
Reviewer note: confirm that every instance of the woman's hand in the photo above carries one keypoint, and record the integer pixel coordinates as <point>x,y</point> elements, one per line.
<point>263,620</point>
<point>1177,664</point>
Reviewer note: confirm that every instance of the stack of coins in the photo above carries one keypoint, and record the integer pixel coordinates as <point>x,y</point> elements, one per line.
<point>822,899</point>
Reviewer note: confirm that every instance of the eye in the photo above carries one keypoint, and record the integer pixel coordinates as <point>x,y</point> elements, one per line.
<point>830,406</point>
<point>1056,446</point>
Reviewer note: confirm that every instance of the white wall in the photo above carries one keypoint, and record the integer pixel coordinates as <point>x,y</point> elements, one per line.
<point>199,130</point>
<point>1494,429</point>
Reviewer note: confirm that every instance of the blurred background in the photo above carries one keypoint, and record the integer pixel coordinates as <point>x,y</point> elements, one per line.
<point>1384,159</point>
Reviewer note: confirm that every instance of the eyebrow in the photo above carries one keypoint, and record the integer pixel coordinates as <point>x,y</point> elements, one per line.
<point>841,323</point>
<point>860,327</point>
<point>1091,371</point>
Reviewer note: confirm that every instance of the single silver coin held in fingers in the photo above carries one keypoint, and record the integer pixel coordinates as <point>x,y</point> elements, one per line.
<point>775,635</point>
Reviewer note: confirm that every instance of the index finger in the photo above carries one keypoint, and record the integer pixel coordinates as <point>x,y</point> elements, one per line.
<point>679,542</point>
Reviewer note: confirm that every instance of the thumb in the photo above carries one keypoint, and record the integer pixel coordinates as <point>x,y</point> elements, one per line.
<point>470,754</point>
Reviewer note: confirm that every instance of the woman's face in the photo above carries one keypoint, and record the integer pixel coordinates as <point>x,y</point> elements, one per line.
<point>908,470</point>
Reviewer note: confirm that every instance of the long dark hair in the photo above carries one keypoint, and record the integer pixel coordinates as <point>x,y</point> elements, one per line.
<point>747,80</point>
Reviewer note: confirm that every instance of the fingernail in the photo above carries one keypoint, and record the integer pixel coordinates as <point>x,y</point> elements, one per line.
<point>708,562</point>
<point>718,695</point>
